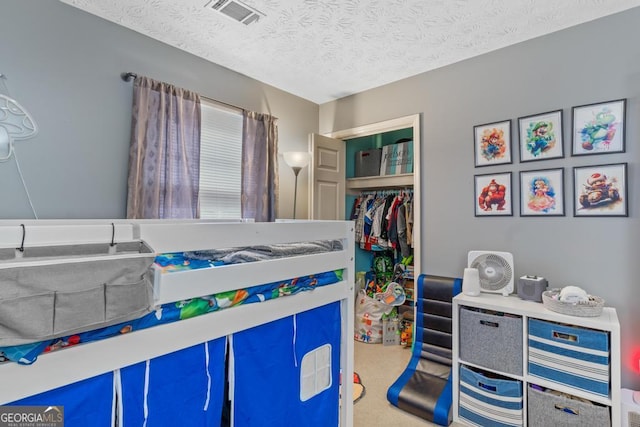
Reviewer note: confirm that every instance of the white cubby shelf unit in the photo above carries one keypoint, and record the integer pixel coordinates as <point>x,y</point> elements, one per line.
<point>605,328</point>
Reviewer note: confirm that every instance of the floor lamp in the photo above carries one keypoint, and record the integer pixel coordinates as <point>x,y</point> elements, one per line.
<point>296,161</point>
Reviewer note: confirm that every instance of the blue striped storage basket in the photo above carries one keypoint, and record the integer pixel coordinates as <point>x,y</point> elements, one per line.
<point>489,402</point>
<point>569,355</point>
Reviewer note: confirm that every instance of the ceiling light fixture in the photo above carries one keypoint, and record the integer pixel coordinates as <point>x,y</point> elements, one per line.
<point>236,10</point>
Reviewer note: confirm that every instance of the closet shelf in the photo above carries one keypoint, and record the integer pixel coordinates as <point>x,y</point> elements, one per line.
<point>377,182</point>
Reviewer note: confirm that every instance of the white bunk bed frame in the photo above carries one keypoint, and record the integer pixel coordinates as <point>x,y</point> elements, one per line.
<point>59,368</point>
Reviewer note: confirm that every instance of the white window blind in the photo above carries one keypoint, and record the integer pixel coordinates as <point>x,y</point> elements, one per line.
<point>220,162</point>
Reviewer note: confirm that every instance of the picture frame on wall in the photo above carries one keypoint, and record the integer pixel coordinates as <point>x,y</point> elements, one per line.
<point>493,194</point>
<point>542,192</point>
<point>600,190</point>
<point>492,143</point>
<point>599,128</point>
<point>540,136</point>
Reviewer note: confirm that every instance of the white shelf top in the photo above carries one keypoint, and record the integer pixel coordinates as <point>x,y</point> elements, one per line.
<point>389,181</point>
<point>512,304</point>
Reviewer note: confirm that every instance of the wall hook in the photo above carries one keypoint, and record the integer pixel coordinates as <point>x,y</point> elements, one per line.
<point>24,233</point>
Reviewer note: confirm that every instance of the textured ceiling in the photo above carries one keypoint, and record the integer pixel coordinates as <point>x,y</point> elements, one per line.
<point>322,50</point>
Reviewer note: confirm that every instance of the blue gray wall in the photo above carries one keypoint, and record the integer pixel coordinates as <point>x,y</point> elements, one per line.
<point>596,61</point>
<point>64,65</point>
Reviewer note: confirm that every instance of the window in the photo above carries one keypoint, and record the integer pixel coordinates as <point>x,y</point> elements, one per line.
<point>220,161</point>
<point>315,372</point>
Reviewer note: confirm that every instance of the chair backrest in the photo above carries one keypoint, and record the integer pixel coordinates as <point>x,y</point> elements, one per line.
<point>433,322</point>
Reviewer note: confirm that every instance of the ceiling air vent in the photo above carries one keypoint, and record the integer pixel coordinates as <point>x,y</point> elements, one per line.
<point>236,10</point>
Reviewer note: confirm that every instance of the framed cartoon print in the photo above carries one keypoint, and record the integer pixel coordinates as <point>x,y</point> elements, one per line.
<point>541,136</point>
<point>542,192</point>
<point>492,143</point>
<point>493,195</point>
<point>600,190</point>
<point>599,128</point>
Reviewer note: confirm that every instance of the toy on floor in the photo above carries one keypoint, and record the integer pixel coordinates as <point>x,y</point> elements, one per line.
<point>358,388</point>
<point>406,337</point>
<point>393,295</point>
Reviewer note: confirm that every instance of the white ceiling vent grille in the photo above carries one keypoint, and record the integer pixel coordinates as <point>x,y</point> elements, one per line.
<point>236,10</point>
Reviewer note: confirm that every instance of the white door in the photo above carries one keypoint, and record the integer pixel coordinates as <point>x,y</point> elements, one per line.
<point>327,196</point>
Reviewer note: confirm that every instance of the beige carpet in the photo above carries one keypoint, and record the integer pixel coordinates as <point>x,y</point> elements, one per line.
<point>379,366</point>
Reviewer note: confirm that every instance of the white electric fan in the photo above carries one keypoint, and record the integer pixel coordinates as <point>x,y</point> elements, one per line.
<point>495,270</point>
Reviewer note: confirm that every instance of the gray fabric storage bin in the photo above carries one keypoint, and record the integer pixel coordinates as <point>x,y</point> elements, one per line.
<point>547,409</point>
<point>490,340</point>
<point>54,292</point>
<point>368,162</point>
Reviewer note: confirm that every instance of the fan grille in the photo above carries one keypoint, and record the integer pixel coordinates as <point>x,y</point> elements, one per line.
<point>494,271</point>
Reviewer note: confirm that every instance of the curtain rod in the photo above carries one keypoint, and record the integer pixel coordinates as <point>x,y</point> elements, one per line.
<point>128,76</point>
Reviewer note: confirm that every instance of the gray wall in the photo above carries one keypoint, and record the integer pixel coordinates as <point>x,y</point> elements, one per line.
<point>64,65</point>
<point>594,62</point>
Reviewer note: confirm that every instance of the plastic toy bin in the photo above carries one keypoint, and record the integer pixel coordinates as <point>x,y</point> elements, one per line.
<point>550,409</point>
<point>489,401</point>
<point>491,340</point>
<point>575,356</point>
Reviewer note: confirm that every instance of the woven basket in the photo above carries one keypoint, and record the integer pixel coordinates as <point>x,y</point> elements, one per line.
<point>591,308</point>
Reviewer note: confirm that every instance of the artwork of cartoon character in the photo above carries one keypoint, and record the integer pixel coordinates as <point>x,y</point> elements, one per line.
<point>492,194</point>
<point>542,195</point>
<point>62,343</point>
<point>598,191</point>
<point>492,144</point>
<point>599,132</point>
<point>540,137</point>
<point>197,306</point>
<point>283,289</point>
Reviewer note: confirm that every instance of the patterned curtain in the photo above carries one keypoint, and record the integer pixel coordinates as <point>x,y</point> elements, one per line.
<point>164,157</point>
<point>259,167</point>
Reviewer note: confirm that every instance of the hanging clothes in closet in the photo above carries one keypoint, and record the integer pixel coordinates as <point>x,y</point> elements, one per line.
<point>384,221</point>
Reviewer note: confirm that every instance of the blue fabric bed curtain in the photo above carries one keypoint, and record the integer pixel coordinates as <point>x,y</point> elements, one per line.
<point>184,388</point>
<point>90,402</point>
<point>259,197</point>
<point>268,374</point>
<point>164,157</point>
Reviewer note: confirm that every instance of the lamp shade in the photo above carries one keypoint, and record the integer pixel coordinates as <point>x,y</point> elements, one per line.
<point>297,159</point>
